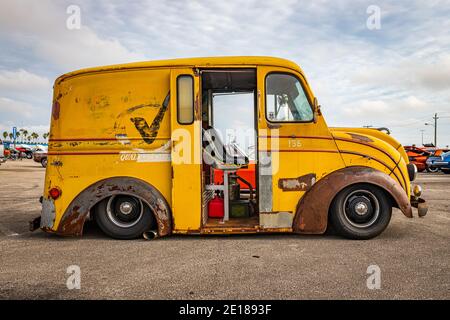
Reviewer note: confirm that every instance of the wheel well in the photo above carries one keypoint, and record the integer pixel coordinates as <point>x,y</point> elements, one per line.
<point>85,203</point>
<point>389,197</point>
<point>312,212</point>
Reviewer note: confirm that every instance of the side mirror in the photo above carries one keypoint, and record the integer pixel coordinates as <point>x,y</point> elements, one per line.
<point>316,109</point>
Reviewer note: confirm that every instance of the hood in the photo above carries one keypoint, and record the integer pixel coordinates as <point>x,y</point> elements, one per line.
<point>372,134</point>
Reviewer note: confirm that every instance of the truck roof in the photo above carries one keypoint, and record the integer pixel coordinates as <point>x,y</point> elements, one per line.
<point>204,62</point>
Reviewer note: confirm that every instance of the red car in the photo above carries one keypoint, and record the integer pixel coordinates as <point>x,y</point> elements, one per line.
<point>418,156</point>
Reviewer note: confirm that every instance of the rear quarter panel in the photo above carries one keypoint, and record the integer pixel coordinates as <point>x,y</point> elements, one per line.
<point>94,132</point>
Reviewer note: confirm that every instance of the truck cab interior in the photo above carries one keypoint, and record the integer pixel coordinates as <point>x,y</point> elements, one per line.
<point>229,179</point>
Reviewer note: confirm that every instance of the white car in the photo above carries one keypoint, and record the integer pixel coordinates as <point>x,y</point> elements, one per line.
<point>2,152</point>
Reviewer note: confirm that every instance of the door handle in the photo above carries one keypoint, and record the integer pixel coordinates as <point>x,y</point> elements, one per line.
<point>273,125</point>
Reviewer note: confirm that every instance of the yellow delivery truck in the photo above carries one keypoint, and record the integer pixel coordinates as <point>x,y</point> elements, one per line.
<point>136,148</point>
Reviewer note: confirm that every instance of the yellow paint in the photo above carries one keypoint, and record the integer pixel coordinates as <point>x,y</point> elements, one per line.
<point>93,138</point>
<point>186,181</point>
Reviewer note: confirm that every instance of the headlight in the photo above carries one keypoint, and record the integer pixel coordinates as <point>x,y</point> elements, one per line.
<point>412,171</point>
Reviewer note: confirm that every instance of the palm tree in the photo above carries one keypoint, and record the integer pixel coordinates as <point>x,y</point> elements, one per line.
<point>24,134</point>
<point>5,134</point>
<point>10,136</point>
<point>17,135</point>
<point>34,135</point>
<point>45,135</point>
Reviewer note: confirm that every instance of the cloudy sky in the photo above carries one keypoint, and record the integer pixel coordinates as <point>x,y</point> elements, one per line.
<point>397,76</point>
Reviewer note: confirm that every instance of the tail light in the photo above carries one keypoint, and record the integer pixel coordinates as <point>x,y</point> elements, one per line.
<point>55,193</point>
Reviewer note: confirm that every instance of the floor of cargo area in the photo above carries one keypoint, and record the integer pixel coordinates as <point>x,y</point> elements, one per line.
<point>233,222</point>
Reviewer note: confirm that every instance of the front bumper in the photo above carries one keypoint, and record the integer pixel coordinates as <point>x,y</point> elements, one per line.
<point>421,206</point>
<point>439,164</point>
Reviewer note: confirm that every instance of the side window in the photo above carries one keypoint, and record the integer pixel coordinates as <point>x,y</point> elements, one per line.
<point>185,99</point>
<point>285,99</point>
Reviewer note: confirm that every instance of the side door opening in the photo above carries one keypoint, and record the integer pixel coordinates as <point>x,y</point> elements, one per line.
<point>229,148</point>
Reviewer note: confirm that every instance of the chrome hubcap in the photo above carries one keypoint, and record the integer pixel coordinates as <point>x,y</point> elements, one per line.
<point>126,207</point>
<point>361,208</point>
<point>124,211</point>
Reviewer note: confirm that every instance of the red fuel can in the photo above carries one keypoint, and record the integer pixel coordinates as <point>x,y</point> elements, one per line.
<point>215,208</point>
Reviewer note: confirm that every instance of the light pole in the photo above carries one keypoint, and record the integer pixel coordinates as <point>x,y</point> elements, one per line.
<point>422,131</point>
<point>435,128</point>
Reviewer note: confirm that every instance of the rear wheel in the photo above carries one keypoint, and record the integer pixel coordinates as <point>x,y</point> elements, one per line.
<point>360,211</point>
<point>432,169</point>
<point>124,217</point>
<point>446,171</point>
<point>44,162</point>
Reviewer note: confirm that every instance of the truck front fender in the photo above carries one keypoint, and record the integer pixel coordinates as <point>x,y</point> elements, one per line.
<point>311,215</point>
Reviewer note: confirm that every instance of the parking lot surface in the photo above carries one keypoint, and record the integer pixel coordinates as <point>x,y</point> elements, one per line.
<point>413,256</point>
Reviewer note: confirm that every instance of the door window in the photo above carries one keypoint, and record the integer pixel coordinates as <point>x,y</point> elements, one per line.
<point>286,100</point>
<point>185,99</point>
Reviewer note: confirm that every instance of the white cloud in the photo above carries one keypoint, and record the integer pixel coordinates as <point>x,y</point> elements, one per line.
<point>416,73</point>
<point>22,80</point>
<point>393,76</point>
<point>385,110</point>
<point>9,107</point>
<point>41,27</point>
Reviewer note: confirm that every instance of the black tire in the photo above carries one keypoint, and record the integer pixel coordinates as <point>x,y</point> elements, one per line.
<point>446,171</point>
<point>118,225</point>
<point>432,169</point>
<point>360,211</point>
<point>44,162</point>
<point>29,155</point>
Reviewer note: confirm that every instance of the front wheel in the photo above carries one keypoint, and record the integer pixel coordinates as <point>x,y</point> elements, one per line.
<point>432,169</point>
<point>44,162</point>
<point>124,217</point>
<point>360,211</point>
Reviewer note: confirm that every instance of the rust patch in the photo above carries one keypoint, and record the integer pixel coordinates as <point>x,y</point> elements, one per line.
<point>57,163</point>
<point>73,225</point>
<point>73,219</point>
<point>197,107</point>
<point>359,137</point>
<point>55,110</point>
<point>302,183</point>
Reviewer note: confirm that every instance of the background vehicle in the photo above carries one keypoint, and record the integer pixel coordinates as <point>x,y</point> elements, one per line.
<point>435,156</point>
<point>26,150</point>
<point>443,163</point>
<point>2,152</point>
<point>16,153</point>
<point>142,156</point>
<point>418,156</point>
<point>40,155</point>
